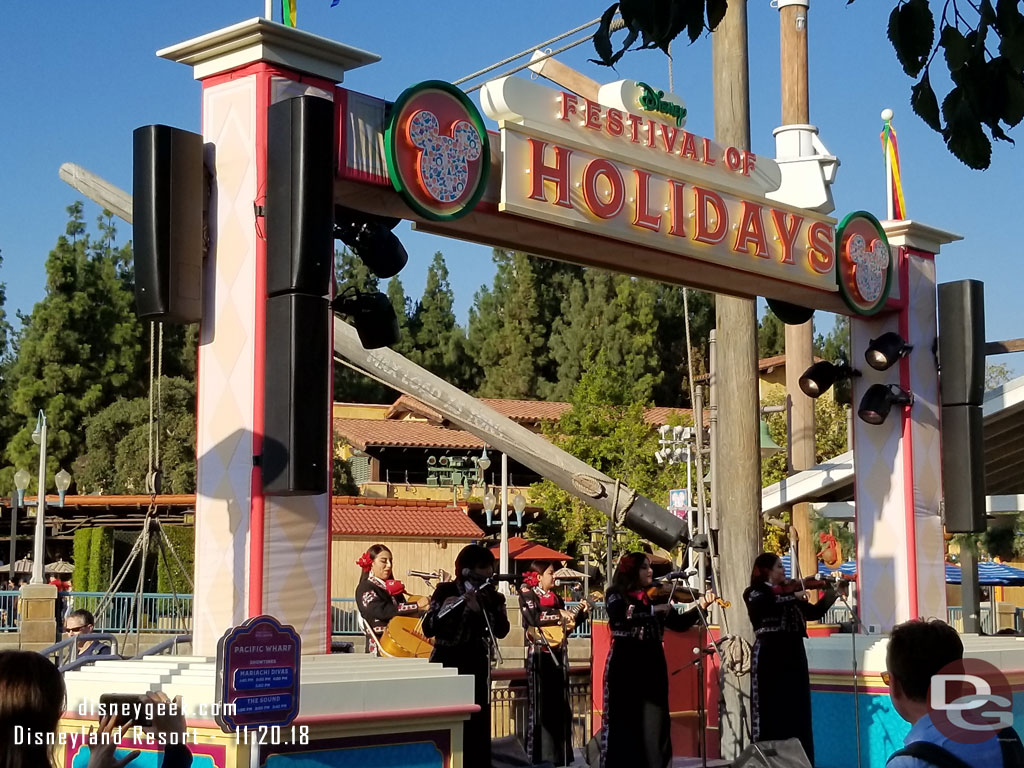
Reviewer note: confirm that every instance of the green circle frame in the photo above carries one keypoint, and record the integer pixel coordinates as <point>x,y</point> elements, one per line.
<point>850,301</point>
<point>391,138</point>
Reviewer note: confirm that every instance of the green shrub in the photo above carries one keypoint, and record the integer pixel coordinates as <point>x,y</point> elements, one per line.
<point>183,538</point>
<point>82,547</point>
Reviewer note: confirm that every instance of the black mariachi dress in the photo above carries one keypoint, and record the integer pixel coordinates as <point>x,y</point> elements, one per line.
<point>461,641</point>
<point>636,719</point>
<point>780,684</point>
<point>378,605</point>
<point>549,731</point>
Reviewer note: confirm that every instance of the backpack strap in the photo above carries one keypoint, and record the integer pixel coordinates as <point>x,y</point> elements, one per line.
<point>930,753</point>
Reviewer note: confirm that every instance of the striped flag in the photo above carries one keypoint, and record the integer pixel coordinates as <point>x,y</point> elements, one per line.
<point>891,149</point>
<point>288,12</point>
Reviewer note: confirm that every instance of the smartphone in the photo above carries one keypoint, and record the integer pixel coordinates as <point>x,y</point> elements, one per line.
<point>128,705</point>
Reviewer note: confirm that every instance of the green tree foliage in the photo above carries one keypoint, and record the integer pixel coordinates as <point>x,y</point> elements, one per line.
<point>169,576</point>
<point>82,547</point>
<point>829,434</point>
<point>997,374</point>
<point>670,341</point>
<point>835,345</point>
<point>604,428</point>
<point>101,551</point>
<point>439,344</point>
<point>982,48</point>
<point>507,333</point>
<point>351,386</point>
<point>116,452</point>
<point>80,349</point>
<point>771,335</point>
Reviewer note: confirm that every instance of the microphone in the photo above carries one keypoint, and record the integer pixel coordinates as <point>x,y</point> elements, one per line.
<point>679,575</point>
<point>423,575</point>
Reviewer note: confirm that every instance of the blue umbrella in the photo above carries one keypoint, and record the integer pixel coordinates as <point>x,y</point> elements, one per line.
<point>849,568</point>
<point>989,574</point>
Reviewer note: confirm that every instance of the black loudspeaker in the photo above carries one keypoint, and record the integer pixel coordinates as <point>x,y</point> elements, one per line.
<point>300,196</point>
<point>773,754</point>
<point>962,342</point>
<point>963,469</point>
<point>297,406</point>
<point>168,190</point>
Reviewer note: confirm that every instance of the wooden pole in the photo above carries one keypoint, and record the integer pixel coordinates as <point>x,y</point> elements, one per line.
<point>799,338</point>
<point>736,361</point>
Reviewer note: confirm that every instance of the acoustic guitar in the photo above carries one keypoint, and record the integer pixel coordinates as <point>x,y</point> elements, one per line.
<point>557,634</point>
<point>403,639</point>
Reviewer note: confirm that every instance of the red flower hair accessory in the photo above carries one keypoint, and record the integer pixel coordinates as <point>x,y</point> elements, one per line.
<point>365,561</point>
<point>531,578</point>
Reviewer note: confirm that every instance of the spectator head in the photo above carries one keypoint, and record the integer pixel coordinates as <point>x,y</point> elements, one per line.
<point>767,568</point>
<point>917,651</point>
<point>79,622</point>
<point>31,696</point>
<point>633,572</point>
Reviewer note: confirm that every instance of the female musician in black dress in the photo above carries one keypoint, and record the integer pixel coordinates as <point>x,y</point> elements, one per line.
<point>549,731</point>
<point>636,721</point>
<point>780,683</point>
<point>462,617</point>
<point>379,597</point>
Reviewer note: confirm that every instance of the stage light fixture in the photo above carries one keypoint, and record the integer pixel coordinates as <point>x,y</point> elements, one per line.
<point>879,400</point>
<point>820,377</point>
<point>371,239</point>
<point>885,351</point>
<point>372,315</point>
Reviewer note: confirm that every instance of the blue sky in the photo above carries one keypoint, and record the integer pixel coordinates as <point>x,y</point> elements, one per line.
<point>80,77</point>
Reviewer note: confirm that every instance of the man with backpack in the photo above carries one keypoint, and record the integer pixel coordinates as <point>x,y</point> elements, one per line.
<point>919,650</point>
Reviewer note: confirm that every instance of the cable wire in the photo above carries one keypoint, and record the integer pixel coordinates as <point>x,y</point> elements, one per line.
<point>546,43</point>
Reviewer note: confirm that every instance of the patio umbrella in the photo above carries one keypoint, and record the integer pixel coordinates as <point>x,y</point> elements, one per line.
<point>569,573</point>
<point>989,574</point>
<point>61,566</point>
<point>23,566</point>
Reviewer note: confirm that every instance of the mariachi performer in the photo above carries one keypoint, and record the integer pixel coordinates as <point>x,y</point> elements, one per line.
<point>547,624</point>
<point>379,597</point>
<point>636,725</point>
<point>780,684</point>
<point>466,619</point>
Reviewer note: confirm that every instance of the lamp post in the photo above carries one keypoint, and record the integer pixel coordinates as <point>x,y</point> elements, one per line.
<point>39,437</point>
<point>21,478</point>
<point>503,550</point>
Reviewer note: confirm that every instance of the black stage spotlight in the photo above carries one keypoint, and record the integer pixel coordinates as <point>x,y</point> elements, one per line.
<point>883,353</point>
<point>817,379</point>
<point>372,315</point>
<point>879,399</point>
<point>371,239</point>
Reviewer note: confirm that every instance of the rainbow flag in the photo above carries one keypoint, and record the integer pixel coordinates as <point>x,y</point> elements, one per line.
<point>891,150</point>
<point>288,12</point>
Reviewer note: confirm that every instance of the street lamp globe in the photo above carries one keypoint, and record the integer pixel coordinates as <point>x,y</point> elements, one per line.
<point>490,501</point>
<point>63,482</point>
<point>519,505</point>
<point>483,462</point>
<point>37,433</point>
<point>21,478</point>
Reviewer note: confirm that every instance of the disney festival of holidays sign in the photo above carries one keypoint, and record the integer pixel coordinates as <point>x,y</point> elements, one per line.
<point>617,169</point>
<point>258,674</point>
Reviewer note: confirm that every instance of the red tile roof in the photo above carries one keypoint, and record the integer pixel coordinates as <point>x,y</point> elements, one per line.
<point>412,433</point>
<point>399,517</point>
<point>521,549</point>
<point>361,433</point>
<point>529,411</point>
<point>408,404</point>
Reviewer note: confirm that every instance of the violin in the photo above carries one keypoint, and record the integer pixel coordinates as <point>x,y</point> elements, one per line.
<point>667,591</point>
<point>792,586</point>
